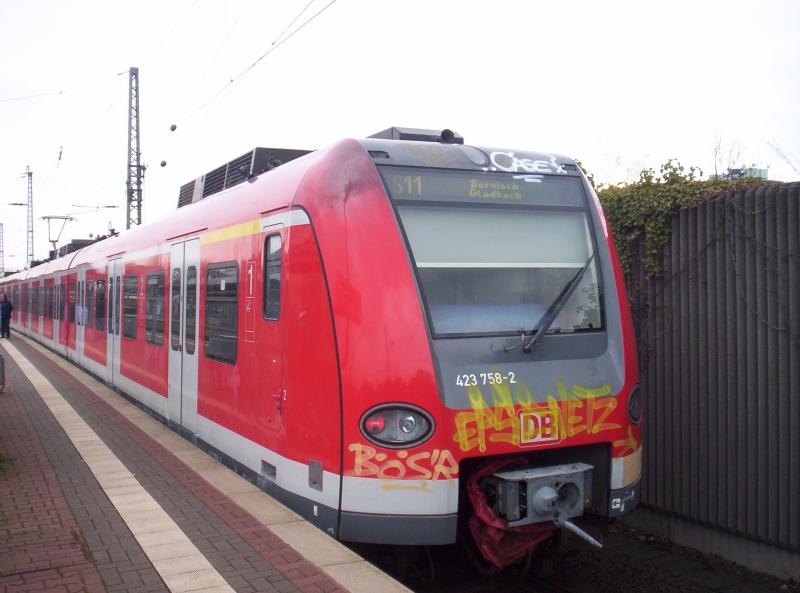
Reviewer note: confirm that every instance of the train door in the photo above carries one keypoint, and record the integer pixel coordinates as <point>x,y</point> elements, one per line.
<point>271,338</point>
<point>62,312</point>
<point>56,284</point>
<point>80,314</point>
<point>113,287</point>
<point>39,308</point>
<point>184,290</point>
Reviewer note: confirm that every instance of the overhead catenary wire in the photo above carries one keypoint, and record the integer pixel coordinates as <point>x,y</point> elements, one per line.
<point>59,92</point>
<point>169,33</point>
<point>273,46</point>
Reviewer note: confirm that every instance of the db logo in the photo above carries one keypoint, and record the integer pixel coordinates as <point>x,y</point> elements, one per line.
<point>538,428</point>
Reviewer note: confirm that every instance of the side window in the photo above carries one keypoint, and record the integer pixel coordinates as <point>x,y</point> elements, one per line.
<point>191,308</point>
<point>117,305</point>
<point>222,310</point>
<point>50,302</point>
<point>273,250</point>
<point>89,302</point>
<point>154,310</point>
<point>175,319</point>
<point>73,293</point>
<point>100,306</point>
<point>110,305</point>
<point>79,303</point>
<point>62,301</point>
<point>129,307</point>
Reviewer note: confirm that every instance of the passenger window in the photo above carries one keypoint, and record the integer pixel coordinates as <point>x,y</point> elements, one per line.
<point>117,306</point>
<point>154,310</point>
<point>73,294</point>
<point>62,302</point>
<point>100,306</point>
<point>191,308</point>
<point>129,307</point>
<point>89,302</point>
<point>222,310</point>
<point>272,276</point>
<point>110,305</point>
<point>175,320</point>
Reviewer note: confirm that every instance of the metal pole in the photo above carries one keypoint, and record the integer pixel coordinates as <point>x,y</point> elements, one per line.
<point>2,254</point>
<point>29,174</point>
<point>135,168</point>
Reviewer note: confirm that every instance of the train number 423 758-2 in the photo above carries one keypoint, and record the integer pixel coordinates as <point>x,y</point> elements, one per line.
<point>474,379</point>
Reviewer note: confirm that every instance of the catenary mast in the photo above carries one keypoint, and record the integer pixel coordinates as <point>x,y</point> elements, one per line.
<point>135,168</point>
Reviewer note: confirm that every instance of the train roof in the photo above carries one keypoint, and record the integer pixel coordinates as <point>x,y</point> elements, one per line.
<point>395,146</point>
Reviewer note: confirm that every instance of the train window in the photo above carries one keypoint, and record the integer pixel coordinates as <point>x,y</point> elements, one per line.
<point>73,293</point>
<point>175,319</point>
<point>191,308</point>
<point>129,307</point>
<point>50,302</point>
<point>221,312</point>
<point>116,306</point>
<point>273,251</point>
<point>62,301</point>
<point>100,306</point>
<point>492,253</point>
<point>154,309</point>
<point>79,304</point>
<point>88,304</point>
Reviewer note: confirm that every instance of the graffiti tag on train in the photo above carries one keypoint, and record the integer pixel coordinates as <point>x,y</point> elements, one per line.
<point>438,464</point>
<point>571,412</point>
<point>508,161</point>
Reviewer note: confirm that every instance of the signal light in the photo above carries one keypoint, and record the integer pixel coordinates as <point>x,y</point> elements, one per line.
<point>635,405</point>
<point>375,423</point>
<point>396,426</point>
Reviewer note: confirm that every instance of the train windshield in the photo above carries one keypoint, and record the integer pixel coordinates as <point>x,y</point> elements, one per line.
<point>494,250</point>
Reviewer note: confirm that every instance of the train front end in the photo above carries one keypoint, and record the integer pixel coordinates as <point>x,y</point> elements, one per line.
<point>534,422</point>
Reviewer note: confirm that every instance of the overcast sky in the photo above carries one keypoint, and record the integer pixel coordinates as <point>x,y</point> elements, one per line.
<point>619,85</point>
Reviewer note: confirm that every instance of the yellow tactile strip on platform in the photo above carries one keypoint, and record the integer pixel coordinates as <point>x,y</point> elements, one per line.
<point>178,561</point>
<point>342,564</point>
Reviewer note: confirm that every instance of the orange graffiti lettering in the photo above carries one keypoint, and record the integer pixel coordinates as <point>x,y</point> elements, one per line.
<point>438,464</point>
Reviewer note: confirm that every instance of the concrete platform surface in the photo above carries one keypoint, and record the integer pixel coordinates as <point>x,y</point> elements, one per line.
<point>97,496</point>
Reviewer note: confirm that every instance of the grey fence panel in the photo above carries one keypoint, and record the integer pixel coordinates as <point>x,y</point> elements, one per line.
<point>719,338</point>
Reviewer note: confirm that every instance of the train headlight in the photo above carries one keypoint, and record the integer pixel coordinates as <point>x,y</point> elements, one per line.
<point>396,426</point>
<point>635,405</point>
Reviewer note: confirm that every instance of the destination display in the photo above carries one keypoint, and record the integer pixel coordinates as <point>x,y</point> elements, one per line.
<point>422,184</point>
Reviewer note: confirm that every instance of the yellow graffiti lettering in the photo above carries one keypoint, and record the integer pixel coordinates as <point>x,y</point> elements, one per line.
<point>396,467</point>
<point>606,406</point>
<point>629,444</point>
<point>446,467</point>
<point>414,465</point>
<point>575,409</point>
<point>425,465</point>
<point>363,454</point>
<point>574,423</point>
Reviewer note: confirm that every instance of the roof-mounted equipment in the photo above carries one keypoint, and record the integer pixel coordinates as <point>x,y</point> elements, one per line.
<point>243,168</point>
<point>443,137</point>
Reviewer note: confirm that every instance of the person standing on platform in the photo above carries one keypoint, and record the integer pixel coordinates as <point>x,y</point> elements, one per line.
<point>5,316</point>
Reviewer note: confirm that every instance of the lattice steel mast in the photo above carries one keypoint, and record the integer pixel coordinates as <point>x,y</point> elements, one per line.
<point>135,168</point>
<point>29,256</point>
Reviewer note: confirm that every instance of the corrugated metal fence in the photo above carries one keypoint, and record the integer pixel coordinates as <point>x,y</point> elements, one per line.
<point>719,338</point>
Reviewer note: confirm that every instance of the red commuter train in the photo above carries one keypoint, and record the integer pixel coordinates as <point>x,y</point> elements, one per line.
<point>401,337</point>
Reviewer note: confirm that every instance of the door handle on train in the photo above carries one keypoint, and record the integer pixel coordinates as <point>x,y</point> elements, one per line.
<point>279,397</point>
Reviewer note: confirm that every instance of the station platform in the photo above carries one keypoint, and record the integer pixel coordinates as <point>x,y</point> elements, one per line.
<point>97,496</point>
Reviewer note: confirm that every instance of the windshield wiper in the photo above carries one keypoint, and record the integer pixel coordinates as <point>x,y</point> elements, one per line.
<point>555,308</point>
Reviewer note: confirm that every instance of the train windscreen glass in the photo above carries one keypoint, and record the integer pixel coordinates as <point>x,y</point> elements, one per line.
<point>493,251</point>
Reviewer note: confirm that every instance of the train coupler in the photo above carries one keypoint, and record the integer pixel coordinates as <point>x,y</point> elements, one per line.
<point>542,494</point>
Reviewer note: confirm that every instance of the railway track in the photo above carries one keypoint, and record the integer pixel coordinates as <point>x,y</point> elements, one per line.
<point>446,569</point>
